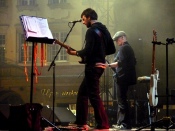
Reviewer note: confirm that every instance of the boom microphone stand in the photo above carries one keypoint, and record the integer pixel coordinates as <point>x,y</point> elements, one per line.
<point>53,65</point>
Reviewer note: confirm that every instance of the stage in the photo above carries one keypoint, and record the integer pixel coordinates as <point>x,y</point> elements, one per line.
<point>111,129</point>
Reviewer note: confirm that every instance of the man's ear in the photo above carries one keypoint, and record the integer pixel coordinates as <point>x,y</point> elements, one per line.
<point>89,18</point>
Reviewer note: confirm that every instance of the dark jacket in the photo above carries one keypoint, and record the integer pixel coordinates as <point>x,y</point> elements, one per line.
<point>94,50</point>
<point>125,72</point>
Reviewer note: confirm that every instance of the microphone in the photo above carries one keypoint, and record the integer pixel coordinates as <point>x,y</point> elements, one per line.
<point>75,21</point>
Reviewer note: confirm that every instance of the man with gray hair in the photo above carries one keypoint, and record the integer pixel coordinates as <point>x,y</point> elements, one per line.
<point>125,75</point>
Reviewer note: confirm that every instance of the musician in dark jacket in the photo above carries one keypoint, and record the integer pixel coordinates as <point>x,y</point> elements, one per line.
<point>125,75</point>
<point>94,59</point>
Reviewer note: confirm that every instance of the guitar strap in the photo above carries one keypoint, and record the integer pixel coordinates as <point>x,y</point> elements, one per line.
<point>101,36</point>
<point>98,32</point>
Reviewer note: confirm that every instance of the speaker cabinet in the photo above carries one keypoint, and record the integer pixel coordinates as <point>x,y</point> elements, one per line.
<point>47,115</point>
<point>4,114</point>
<point>25,117</point>
<point>62,115</point>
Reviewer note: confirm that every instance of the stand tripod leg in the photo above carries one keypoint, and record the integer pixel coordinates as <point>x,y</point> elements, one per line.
<point>143,127</point>
<point>51,124</point>
<point>165,121</point>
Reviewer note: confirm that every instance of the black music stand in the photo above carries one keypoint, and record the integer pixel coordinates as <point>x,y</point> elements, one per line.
<point>35,34</point>
<point>36,30</point>
<point>36,40</point>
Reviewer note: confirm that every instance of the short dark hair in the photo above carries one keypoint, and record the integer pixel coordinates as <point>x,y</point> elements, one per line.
<point>89,12</point>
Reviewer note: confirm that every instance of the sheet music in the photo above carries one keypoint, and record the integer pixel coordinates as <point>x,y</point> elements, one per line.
<point>36,27</point>
<point>43,25</point>
<point>31,23</point>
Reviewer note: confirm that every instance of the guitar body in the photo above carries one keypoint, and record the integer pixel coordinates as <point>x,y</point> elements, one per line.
<point>153,99</point>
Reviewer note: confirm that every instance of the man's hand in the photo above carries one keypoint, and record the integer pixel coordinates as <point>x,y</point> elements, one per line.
<point>70,51</point>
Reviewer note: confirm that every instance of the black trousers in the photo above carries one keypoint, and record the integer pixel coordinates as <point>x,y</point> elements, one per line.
<point>89,90</point>
<point>123,107</point>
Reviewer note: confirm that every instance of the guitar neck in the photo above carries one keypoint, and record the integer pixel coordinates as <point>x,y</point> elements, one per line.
<point>153,60</point>
<point>154,48</point>
<point>63,45</point>
<point>67,47</point>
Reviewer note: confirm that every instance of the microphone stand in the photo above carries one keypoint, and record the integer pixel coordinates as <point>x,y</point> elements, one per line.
<point>53,65</point>
<point>166,121</point>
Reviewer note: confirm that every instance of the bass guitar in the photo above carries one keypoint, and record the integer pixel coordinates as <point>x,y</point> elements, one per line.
<point>153,99</point>
<point>67,47</point>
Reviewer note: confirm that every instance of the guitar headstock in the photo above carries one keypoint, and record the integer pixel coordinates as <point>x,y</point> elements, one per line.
<point>56,41</point>
<point>154,36</point>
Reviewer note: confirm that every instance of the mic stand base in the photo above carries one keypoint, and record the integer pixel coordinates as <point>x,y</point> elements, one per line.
<point>165,122</point>
<point>53,126</point>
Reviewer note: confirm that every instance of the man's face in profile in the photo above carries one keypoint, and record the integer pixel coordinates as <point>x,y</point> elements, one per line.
<point>86,21</point>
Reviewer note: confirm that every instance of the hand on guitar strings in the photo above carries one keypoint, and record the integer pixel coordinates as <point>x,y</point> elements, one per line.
<point>70,51</point>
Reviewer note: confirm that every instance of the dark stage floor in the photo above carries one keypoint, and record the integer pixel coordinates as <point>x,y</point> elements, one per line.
<point>71,128</point>
<point>111,129</point>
